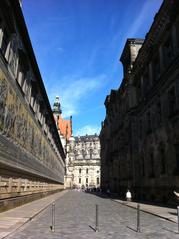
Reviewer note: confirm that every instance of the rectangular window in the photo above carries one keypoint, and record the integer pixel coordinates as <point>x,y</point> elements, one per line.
<point>159,112</point>
<point>146,83</point>
<point>149,128</point>
<point>79,180</point>
<point>87,171</point>
<point>97,181</point>
<point>156,68</point>
<point>168,51</point>
<point>80,170</point>
<point>86,180</point>
<point>172,101</point>
<point>4,42</point>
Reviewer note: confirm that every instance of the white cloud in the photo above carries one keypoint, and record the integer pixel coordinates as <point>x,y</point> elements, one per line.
<point>72,90</point>
<point>88,129</point>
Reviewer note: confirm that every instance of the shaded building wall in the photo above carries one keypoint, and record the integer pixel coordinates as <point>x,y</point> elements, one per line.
<point>157,113</point>
<point>31,153</point>
<point>145,108</point>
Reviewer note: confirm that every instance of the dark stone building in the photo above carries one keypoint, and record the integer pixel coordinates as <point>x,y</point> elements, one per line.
<point>31,153</point>
<point>140,134</point>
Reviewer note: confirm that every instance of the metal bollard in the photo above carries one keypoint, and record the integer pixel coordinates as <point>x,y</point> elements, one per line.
<point>53,217</point>
<point>178,217</point>
<point>97,225</point>
<point>138,217</point>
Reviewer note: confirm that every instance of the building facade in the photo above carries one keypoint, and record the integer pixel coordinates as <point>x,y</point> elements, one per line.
<point>32,159</point>
<point>140,134</point>
<point>83,167</point>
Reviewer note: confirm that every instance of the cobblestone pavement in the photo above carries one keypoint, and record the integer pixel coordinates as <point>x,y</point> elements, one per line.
<point>75,219</point>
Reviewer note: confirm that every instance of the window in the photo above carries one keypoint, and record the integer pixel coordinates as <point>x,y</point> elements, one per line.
<point>87,171</point>
<point>97,180</point>
<point>4,41</point>
<point>168,51</point>
<point>146,83</point>
<point>159,112</point>
<point>80,170</point>
<point>86,180</point>
<point>172,101</point>
<point>149,122</point>
<point>91,152</point>
<point>156,68</point>
<point>79,180</point>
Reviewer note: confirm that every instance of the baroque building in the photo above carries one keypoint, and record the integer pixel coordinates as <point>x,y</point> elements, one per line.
<point>32,159</point>
<point>140,133</point>
<point>83,162</point>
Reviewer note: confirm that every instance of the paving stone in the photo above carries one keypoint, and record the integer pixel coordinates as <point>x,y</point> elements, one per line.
<point>75,219</point>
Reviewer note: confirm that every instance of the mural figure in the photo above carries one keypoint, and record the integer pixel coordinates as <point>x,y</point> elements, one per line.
<point>3,95</point>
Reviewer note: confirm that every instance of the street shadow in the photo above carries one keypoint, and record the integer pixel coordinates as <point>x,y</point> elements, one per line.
<point>92,228</point>
<point>135,230</point>
<point>173,213</point>
<point>168,230</point>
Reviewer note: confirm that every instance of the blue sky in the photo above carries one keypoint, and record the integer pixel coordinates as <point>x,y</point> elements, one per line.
<point>78,44</point>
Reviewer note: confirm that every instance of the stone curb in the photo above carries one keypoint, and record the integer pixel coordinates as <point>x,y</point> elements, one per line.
<point>143,210</point>
<point>24,220</point>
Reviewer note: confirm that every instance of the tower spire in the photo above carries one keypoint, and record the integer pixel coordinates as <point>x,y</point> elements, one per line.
<point>56,106</point>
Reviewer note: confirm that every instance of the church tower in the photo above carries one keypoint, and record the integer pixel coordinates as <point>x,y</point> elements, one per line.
<point>64,126</point>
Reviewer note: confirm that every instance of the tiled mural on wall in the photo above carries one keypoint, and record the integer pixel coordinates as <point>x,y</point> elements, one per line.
<point>17,123</point>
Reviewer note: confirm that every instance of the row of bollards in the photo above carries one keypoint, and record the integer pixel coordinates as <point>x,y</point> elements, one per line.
<point>97,218</point>
<point>52,227</point>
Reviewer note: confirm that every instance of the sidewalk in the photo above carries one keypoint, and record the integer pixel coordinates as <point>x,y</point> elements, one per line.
<point>13,219</point>
<point>160,211</point>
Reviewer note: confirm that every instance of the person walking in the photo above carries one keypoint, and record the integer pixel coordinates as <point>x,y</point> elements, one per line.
<point>128,196</point>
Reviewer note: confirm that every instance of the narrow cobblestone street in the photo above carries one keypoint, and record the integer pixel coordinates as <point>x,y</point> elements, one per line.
<point>75,219</point>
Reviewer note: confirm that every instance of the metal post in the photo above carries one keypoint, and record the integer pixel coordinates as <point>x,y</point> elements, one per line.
<point>53,217</point>
<point>97,225</point>
<point>178,217</point>
<point>138,217</point>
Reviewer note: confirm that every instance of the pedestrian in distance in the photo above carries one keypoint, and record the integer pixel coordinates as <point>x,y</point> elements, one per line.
<point>128,196</point>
